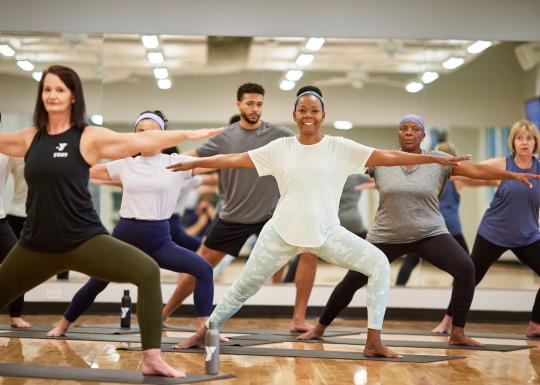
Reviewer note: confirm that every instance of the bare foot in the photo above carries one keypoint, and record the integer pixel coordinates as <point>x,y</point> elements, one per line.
<point>375,347</point>
<point>458,337</point>
<point>18,322</point>
<point>533,330</point>
<point>379,350</point>
<point>153,365</point>
<point>315,333</point>
<point>60,329</point>
<point>300,326</point>
<point>224,339</point>
<point>195,341</point>
<point>444,326</point>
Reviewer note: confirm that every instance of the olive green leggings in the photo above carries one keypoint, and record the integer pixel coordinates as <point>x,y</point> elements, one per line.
<point>103,257</point>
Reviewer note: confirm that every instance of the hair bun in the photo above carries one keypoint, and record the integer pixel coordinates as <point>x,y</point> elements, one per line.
<point>309,88</point>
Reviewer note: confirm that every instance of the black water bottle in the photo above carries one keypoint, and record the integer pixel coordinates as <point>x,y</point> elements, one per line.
<point>125,316</point>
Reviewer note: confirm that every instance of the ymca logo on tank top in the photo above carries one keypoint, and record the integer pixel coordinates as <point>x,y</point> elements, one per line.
<point>60,153</point>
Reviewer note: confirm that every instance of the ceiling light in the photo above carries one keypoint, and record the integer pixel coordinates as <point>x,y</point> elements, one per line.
<point>161,73</point>
<point>37,75</point>
<point>150,41</point>
<point>453,63</point>
<point>429,77</point>
<point>287,85</point>
<point>6,50</point>
<point>343,125</point>
<point>414,87</point>
<point>294,75</point>
<point>25,65</point>
<point>315,43</point>
<point>155,57</point>
<point>96,119</point>
<point>479,46</point>
<point>305,59</point>
<point>164,84</point>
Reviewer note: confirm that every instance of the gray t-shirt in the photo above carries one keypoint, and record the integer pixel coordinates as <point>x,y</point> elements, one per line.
<point>349,216</point>
<point>247,198</point>
<point>409,202</point>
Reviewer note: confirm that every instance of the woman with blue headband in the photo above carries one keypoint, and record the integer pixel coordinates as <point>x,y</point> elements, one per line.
<point>311,170</point>
<point>409,221</point>
<point>149,197</point>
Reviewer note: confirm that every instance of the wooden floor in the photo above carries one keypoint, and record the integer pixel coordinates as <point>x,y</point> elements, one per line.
<point>520,367</point>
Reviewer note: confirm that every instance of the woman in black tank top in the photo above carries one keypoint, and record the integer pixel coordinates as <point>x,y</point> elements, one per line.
<point>62,230</point>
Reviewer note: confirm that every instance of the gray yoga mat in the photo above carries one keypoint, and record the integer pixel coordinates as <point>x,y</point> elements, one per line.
<point>115,338</point>
<point>402,344</point>
<point>271,352</point>
<point>75,329</point>
<point>99,375</point>
<point>504,336</point>
<point>330,331</point>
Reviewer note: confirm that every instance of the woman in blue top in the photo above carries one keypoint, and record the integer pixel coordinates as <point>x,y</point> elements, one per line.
<point>501,229</point>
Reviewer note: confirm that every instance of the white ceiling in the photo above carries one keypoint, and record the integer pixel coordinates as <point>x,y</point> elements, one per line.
<point>340,61</point>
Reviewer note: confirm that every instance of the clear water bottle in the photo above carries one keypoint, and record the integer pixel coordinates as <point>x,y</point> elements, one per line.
<point>125,316</point>
<point>211,347</point>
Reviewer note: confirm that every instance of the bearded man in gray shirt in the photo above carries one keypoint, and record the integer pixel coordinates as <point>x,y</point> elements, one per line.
<point>248,201</point>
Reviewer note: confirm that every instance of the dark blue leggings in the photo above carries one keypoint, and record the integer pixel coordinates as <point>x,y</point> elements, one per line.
<point>180,237</point>
<point>154,238</point>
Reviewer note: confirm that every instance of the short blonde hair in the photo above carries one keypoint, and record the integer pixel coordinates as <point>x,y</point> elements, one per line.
<point>447,147</point>
<point>525,125</point>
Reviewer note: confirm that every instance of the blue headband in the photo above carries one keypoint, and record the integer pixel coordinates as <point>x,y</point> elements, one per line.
<point>309,93</point>
<point>154,117</point>
<point>411,118</point>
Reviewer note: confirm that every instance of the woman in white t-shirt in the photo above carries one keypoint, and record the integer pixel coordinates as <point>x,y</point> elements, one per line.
<point>310,171</point>
<point>149,197</point>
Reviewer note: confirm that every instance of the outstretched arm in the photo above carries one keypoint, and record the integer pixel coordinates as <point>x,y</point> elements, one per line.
<point>102,143</point>
<point>241,160</point>
<point>485,172</point>
<point>402,158</point>
<point>16,143</point>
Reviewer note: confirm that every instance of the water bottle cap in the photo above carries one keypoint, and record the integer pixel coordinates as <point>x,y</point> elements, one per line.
<point>213,324</point>
<point>126,292</point>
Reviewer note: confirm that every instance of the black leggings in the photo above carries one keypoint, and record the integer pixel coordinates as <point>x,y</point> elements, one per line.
<point>442,251</point>
<point>412,260</point>
<point>484,253</point>
<point>7,241</point>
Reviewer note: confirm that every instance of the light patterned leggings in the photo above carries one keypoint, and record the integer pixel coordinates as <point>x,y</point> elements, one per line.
<point>341,248</point>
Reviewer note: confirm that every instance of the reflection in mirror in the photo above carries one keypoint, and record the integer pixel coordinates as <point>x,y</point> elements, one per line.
<point>468,93</point>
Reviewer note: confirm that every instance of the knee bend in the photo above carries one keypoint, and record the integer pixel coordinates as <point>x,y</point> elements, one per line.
<point>148,272</point>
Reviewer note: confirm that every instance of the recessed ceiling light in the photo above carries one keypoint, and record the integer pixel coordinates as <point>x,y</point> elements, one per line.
<point>453,63</point>
<point>315,43</point>
<point>414,87</point>
<point>305,59</point>
<point>150,41</point>
<point>286,85</point>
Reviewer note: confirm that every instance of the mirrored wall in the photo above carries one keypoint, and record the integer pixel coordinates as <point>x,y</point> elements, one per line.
<point>468,92</point>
